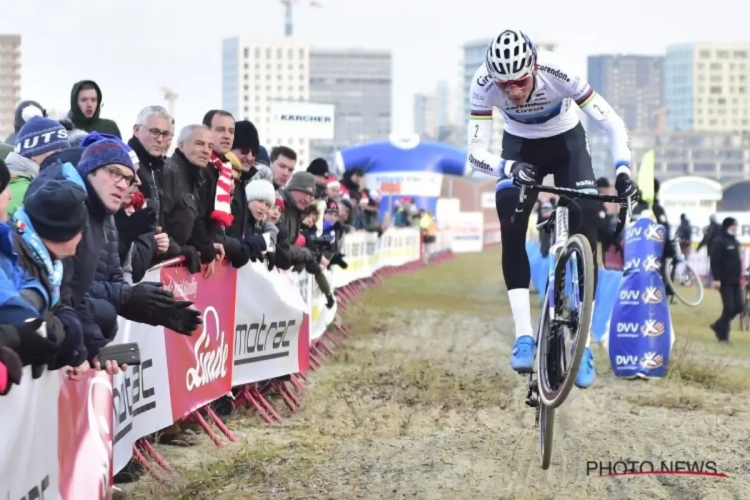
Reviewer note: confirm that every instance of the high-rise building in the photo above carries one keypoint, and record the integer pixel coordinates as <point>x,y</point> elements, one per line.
<point>10,81</point>
<point>359,83</point>
<point>706,87</point>
<point>425,116</point>
<point>474,54</point>
<point>259,71</point>
<point>632,84</point>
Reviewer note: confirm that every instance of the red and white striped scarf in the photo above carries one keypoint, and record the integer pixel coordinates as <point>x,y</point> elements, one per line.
<point>222,212</point>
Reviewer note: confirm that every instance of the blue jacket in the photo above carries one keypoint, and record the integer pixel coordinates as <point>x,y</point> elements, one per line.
<point>80,270</point>
<point>16,282</point>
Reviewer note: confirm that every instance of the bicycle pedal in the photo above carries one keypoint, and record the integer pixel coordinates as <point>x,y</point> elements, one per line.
<point>532,403</point>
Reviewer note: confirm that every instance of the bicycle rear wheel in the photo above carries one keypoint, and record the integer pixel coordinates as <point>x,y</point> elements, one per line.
<point>561,346</point>
<point>684,282</point>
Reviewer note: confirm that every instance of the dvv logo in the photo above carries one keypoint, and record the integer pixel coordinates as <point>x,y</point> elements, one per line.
<point>633,232</point>
<point>652,295</point>
<point>627,327</point>
<point>654,232</point>
<point>629,360</point>
<point>652,328</point>
<point>651,361</point>
<point>629,296</point>
<point>632,264</point>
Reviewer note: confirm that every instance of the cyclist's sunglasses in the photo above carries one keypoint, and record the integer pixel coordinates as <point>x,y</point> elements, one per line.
<point>519,82</point>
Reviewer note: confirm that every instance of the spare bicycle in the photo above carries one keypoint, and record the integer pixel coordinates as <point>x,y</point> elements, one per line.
<point>565,318</point>
<point>682,278</point>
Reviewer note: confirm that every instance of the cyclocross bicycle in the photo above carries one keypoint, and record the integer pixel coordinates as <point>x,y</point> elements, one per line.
<point>682,278</point>
<point>561,336</point>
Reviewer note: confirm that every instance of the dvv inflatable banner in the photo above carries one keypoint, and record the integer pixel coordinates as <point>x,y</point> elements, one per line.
<point>640,329</point>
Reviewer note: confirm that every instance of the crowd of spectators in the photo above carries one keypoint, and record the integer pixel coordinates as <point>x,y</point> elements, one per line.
<point>86,212</point>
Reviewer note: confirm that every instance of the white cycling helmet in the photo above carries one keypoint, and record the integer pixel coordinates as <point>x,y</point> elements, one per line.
<point>510,56</point>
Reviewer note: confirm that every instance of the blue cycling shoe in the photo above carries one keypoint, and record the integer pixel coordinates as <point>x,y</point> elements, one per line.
<point>522,359</point>
<point>587,371</point>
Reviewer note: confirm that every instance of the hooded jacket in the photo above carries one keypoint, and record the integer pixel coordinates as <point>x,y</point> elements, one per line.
<point>95,123</point>
<point>22,172</point>
<point>20,118</point>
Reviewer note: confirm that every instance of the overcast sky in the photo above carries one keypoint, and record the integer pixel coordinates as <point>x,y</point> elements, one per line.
<point>132,48</point>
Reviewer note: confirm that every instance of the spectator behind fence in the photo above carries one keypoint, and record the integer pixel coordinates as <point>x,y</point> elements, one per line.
<point>283,160</point>
<point>259,235</point>
<point>297,196</point>
<point>282,237</point>
<point>25,111</point>
<point>38,139</point>
<point>345,215</point>
<point>30,274</point>
<point>726,265</point>
<point>333,189</point>
<point>334,229</point>
<point>152,136</point>
<point>245,148</point>
<point>47,229</point>
<point>185,200</point>
<point>85,108</point>
<point>220,183</point>
<point>710,233</point>
<point>263,158</point>
<point>370,210</point>
<point>105,172</point>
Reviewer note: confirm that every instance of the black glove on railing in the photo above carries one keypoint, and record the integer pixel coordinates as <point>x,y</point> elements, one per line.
<point>192,259</point>
<point>152,296</point>
<point>32,348</point>
<point>182,319</point>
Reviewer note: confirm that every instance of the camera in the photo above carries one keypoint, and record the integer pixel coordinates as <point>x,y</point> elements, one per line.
<point>323,242</point>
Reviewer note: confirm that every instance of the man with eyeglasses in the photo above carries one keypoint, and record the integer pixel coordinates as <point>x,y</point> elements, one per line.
<point>543,135</point>
<point>106,172</point>
<point>152,137</point>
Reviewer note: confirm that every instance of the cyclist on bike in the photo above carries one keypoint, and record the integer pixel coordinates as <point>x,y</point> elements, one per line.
<point>543,135</point>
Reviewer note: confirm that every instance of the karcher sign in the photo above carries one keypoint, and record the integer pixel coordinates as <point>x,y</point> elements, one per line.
<point>302,119</point>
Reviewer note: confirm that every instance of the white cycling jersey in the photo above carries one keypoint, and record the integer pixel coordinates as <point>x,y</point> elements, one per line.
<point>548,112</point>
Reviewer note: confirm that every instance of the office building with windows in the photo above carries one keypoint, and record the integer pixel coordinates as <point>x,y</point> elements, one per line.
<point>258,71</point>
<point>706,87</point>
<point>359,83</point>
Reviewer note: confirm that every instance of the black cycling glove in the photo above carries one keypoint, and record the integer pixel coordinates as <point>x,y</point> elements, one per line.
<point>151,295</point>
<point>524,174</point>
<point>192,259</point>
<point>626,188</point>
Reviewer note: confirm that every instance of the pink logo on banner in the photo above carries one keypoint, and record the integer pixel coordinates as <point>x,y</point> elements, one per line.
<point>85,410</point>
<point>200,366</point>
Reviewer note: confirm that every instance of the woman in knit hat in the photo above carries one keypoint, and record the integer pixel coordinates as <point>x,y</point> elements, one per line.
<point>258,239</point>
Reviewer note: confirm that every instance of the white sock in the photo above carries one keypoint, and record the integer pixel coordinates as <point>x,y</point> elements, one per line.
<point>591,325</point>
<point>520,306</point>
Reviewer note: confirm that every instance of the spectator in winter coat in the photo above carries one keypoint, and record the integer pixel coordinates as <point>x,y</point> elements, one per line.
<point>186,199</point>
<point>263,158</point>
<point>259,235</point>
<point>105,172</point>
<point>5,150</point>
<point>152,135</point>
<point>85,107</point>
<point>25,111</point>
<point>684,235</point>
<point>38,139</point>
<point>47,229</point>
<point>245,148</point>
<point>297,196</point>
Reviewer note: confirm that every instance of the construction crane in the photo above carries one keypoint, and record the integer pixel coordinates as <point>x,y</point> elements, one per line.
<point>171,97</point>
<point>288,7</point>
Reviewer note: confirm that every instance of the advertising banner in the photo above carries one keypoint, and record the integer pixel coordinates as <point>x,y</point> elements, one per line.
<point>467,229</point>
<point>302,119</point>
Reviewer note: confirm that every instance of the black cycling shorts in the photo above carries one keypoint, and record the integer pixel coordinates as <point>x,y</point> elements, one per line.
<point>566,156</point>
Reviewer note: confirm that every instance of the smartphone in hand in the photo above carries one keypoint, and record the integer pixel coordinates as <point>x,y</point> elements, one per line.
<point>122,354</point>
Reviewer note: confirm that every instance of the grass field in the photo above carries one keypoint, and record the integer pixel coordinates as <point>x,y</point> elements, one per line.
<point>420,403</point>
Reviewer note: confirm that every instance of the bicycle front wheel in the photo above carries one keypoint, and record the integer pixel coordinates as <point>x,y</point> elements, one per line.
<point>745,315</point>
<point>561,345</point>
<point>684,282</point>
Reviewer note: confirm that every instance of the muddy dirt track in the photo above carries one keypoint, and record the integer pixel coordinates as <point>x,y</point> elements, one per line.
<point>420,403</point>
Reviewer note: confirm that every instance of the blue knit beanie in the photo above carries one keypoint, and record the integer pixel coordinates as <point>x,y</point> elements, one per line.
<point>102,153</point>
<point>41,135</point>
<point>93,137</point>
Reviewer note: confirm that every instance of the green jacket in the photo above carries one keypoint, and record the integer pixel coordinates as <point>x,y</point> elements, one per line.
<point>18,187</point>
<point>22,172</point>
